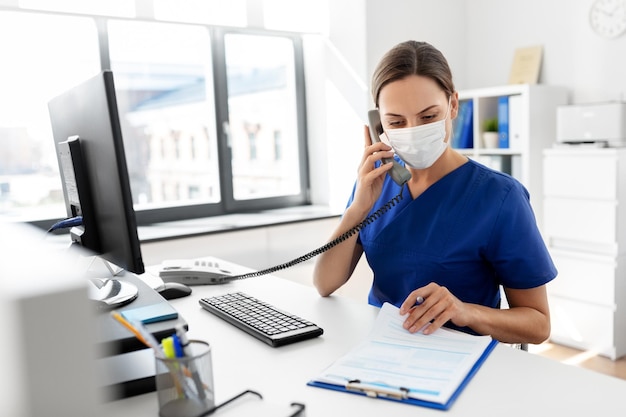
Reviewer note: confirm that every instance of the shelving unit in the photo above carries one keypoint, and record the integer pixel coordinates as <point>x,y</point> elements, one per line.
<point>535,130</point>
<point>585,229</point>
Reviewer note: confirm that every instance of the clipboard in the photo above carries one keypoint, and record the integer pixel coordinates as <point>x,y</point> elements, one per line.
<point>400,394</point>
<point>413,368</point>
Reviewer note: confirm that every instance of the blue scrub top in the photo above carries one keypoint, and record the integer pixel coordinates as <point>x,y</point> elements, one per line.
<point>471,231</point>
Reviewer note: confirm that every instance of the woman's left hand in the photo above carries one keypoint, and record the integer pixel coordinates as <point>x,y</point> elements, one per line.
<point>438,307</point>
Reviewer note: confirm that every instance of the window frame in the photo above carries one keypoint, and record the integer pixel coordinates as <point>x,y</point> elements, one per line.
<point>221,105</point>
<point>227,204</point>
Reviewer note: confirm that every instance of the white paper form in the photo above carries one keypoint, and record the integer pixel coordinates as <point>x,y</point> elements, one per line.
<point>431,367</point>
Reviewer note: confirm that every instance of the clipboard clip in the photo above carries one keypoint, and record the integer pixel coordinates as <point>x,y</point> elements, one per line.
<point>377,390</point>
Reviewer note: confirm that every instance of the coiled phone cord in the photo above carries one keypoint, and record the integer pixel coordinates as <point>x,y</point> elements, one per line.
<point>370,219</point>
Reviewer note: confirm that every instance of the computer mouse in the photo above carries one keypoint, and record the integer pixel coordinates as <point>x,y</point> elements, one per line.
<point>172,290</point>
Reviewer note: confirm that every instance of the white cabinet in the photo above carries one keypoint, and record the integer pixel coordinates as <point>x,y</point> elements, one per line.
<point>532,128</point>
<point>585,229</point>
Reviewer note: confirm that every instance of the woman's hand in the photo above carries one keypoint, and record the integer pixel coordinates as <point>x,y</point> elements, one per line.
<point>437,307</point>
<point>370,179</point>
<point>527,320</point>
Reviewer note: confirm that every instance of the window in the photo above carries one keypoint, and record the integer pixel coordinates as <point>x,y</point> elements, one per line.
<point>263,102</point>
<point>164,85</point>
<point>278,154</point>
<point>54,53</point>
<point>213,119</point>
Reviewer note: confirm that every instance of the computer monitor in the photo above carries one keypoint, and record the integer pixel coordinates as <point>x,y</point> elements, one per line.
<point>90,151</point>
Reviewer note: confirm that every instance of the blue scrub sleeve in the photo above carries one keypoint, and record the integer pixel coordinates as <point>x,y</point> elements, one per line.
<point>517,249</point>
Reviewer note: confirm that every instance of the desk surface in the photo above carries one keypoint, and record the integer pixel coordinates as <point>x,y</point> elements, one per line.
<point>510,383</point>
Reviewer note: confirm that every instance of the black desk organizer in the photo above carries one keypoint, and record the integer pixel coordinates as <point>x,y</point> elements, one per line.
<point>126,366</point>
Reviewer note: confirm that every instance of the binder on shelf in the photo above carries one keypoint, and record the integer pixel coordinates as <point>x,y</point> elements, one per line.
<point>503,122</point>
<point>515,122</point>
<point>442,364</point>
<point>463,131</point>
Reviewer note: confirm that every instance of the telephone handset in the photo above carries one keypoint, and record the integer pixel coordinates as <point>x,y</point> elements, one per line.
<point>398,173</point>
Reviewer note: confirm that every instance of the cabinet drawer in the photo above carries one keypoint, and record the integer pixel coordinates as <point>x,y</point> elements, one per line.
<point>584,277</point>
<point>593,177</point>
<point>583,326</point>
<point>584,220</point>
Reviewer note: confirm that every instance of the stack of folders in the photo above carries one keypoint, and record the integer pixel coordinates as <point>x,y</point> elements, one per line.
<point>393,364</point>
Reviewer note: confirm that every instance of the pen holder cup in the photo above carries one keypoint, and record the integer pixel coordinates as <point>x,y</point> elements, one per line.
<point>184,384</point>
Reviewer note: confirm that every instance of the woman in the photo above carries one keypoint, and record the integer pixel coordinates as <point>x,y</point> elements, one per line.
<point>461,229</point>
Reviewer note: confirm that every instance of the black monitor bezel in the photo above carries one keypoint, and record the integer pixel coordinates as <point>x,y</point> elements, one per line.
<point>89,111</point>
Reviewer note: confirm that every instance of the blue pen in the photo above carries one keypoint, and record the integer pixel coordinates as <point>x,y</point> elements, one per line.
<point>181,336</point>
<point>178,348</point>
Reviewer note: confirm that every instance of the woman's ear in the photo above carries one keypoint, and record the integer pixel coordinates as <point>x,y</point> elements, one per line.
<point>454,105</point>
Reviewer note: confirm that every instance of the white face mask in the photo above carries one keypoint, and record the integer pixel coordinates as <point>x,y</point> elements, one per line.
<point>420,146</point>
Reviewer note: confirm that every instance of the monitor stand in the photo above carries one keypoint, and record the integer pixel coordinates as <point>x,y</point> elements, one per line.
<point>110,293</point>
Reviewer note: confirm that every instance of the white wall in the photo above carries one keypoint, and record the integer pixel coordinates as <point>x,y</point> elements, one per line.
<point>478,37</point>
<point>592,68</point>
<point>442,23</point>
<point>337,93</point>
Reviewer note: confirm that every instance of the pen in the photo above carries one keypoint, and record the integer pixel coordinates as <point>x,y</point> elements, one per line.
<point>167,345</point>
<point>171,347</point>
<point>420,300</point>
<point>178,348</point>
<point>184,343</point>
<point>171,350</point>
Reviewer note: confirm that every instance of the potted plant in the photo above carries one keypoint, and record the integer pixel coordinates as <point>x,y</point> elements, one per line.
<point>490,132</point>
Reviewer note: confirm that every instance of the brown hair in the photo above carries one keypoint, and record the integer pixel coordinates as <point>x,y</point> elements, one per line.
<point>412,58</point>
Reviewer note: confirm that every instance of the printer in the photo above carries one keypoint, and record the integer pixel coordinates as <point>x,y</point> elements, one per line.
<point>602,123</point>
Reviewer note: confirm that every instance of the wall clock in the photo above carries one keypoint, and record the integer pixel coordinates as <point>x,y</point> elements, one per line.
<point>608,17</point>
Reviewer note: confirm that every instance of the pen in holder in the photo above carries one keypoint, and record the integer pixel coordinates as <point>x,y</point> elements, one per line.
<point>184,379</point>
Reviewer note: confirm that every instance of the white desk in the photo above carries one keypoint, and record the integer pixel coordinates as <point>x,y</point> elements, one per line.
<point>510,383</point>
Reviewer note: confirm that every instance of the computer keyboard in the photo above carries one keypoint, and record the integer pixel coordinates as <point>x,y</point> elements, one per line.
<point>260,319</point>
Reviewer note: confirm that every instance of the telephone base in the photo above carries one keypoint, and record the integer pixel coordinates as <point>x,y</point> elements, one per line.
<point>194,272</point>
